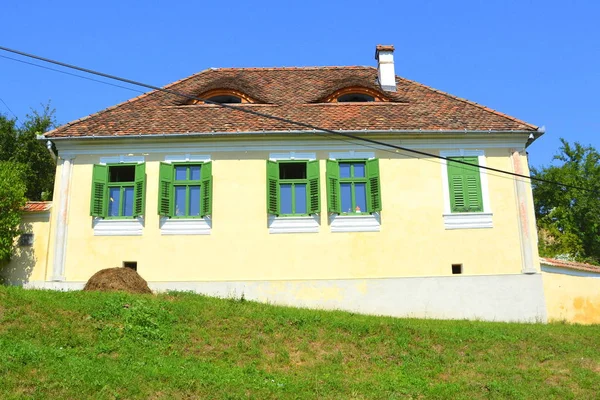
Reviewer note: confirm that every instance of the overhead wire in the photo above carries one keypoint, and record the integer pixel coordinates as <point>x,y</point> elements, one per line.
<point>314,128</point>
<point>8,108</point>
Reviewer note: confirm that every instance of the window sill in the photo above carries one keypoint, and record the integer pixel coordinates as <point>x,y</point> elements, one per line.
<point>308,224</point>
<point>185,226</point>
<point>118,227</point>
<point>355,223</point>
<point>468,220</point>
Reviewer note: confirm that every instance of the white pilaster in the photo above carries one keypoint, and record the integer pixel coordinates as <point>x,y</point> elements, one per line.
<point>523,214</point>
<point>60,244</point>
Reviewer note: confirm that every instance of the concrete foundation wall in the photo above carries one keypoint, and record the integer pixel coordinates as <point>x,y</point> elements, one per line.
<point>484,297</point>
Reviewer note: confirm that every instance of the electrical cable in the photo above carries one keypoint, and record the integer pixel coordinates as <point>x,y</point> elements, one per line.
<point>291,122</point>
<point>68,73</point>
<point>11,111</point>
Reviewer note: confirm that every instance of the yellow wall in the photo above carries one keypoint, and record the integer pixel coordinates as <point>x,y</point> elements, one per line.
<point>29,263</point>
<point>572,298</point>
<point>412,240</point>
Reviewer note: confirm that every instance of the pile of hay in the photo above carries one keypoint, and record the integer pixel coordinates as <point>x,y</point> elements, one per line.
<point>117,279</point>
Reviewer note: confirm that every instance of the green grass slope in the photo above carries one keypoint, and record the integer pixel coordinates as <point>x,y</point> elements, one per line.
<point>182,346</point>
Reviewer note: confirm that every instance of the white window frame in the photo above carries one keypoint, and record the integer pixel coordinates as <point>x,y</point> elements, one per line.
<point>293,224</point>
<point>119,227</point>
<point>186,226</point>
<point>354,223</point>
<point>468,220</point>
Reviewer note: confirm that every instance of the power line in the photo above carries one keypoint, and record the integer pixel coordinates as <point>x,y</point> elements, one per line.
<point>324,134</point>
<point>68,73</point>
<point>289,121</point>
<point>11,111</point>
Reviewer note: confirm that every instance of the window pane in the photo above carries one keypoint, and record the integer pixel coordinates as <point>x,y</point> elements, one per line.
<point>285,191</point>
<point>195,200</point>
<point>121,173</point>
<point>296,170</point>
<point>128,201</point>
<point>346,197</point>
<point>179,201</point>
<point>344,170</point>
<point>300,194</point>
<point>195,173</point>
<point>360,194</point>
<point>180,172</point>
<point>359,170</point>
<point>114,201</point>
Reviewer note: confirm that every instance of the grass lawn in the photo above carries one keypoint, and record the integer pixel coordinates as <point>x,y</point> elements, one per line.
<point>182,346</point>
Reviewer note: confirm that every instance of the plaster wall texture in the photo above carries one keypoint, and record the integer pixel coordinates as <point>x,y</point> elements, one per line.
<point>412,240</point>
<point>572,298</point>
<point>29,262</point>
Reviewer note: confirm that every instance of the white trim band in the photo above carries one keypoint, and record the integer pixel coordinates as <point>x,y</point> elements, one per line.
<point>468,221</point>
<point>121,159</point>
<point>118,227</point>
<point>191,226</point>
<point>355,223</point>
<point>308,224</point>
<point>187,158</point>
<point>367,155</point>
<point>292,155</point>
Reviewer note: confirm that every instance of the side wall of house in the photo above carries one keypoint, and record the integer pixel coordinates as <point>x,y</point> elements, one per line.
<point>412,240</point>
<point>29,263</point>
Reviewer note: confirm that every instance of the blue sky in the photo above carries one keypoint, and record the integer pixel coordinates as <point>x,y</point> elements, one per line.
<point>535,60</point>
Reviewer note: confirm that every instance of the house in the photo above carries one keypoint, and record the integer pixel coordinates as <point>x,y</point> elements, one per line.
<point>242,195</point>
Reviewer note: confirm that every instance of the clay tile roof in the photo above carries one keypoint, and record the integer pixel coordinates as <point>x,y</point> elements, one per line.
<point>383,47</point>
<point>292,93</point>
<point>570,265</point>
<point>37,206</point>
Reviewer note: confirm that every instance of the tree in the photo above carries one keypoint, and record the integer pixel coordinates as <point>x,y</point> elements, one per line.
<point>20,145</point>
<point>12,199</point>
<point>568,219</point>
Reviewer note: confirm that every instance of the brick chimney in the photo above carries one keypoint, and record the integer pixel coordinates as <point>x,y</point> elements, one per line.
<point>385,67</point>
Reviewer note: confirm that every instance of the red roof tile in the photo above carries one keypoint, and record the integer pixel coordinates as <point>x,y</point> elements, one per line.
<point>570,265</point>
<point>291,93</point>
<point>37,206</point>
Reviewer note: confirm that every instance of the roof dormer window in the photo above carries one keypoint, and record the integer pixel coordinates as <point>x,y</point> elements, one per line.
<point>354,95</point>
<point>355,98</point>
<point>223,96</point>
<point>225,99</point>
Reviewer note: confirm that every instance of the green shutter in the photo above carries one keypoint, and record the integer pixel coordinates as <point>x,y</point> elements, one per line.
<point>272,187</point>
<point>373,186</point>
<point>465,185</point>
<point>206,176</point>
<point>99,191</point>
<point>139,190</point>
<point>314,198</point>
<point>333,187</point>
<point>165,184</point>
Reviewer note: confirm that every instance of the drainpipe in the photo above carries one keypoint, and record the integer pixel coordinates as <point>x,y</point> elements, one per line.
<point>49,147</point>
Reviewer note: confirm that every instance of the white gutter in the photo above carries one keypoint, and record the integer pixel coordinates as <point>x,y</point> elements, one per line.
<point>314,131</point>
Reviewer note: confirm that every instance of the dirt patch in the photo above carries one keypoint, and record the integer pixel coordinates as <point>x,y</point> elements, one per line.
<point>117,279</point>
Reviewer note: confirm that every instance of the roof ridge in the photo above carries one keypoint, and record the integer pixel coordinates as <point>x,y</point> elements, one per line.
<point>488,109</point>
<point>292,68</point>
